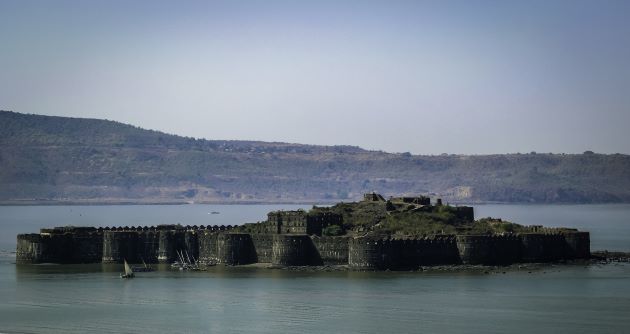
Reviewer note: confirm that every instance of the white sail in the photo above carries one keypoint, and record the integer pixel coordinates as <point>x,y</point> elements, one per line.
<point>128,270</point>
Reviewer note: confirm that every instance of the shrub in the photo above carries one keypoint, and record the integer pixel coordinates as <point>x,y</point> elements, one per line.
<point>332,230</point>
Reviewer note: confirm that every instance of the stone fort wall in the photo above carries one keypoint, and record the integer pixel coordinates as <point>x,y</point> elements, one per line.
<point>221,244</point>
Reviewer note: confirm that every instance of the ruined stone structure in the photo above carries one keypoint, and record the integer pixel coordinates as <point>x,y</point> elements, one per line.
<point>300,222</point>
<point>294,238</point>
<point>421,200</point>
<point>373,197</point>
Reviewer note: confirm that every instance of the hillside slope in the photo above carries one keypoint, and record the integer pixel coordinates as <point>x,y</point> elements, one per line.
<point>60,159</point>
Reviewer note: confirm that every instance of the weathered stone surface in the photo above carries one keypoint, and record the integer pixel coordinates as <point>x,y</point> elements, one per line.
<point>293,250</point>
<point>365,253</point>
<point>235,248</point>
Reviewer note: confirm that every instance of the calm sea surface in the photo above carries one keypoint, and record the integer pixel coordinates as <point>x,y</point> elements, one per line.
<point>91,298</point>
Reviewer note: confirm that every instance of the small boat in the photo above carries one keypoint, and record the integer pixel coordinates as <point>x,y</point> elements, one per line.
<point>215,212</point>
<point>185,263</point>
<point>128,272</point>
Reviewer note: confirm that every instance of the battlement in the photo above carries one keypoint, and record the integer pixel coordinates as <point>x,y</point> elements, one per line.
<point>167,228</point>
<point>68,229</point>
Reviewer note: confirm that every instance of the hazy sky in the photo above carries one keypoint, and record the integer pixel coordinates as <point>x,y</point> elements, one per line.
<point>421,76</point>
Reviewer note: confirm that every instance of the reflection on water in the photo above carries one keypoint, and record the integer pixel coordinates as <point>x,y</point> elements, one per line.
<point>79,298</point>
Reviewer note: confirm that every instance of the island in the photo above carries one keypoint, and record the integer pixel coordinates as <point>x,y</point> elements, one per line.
<point>398,233</point>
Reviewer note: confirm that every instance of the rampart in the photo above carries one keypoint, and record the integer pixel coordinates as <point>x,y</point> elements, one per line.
<point>224,246</point>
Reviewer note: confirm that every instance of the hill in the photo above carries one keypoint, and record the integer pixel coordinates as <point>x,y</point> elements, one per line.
<point>46,159</point>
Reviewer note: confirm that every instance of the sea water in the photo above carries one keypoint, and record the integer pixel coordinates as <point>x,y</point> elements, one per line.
<point>92,298</point>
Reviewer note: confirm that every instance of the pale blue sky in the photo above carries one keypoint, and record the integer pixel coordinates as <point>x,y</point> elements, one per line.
<point>427,77</point>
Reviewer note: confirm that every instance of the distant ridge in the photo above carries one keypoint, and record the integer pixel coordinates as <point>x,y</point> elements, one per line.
<point>49,159</point>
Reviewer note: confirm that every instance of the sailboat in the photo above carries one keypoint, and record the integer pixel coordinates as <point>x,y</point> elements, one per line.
<point>128,272</point>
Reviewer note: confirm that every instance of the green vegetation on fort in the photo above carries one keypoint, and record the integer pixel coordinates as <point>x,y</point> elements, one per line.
<point>492,225</point>
<point>398,219</point>
<point>46,158</point>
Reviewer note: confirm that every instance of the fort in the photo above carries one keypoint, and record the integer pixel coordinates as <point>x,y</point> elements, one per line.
<point>399,233</point>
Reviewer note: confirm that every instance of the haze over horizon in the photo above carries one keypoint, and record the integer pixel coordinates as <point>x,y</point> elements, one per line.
<point>425,77</point>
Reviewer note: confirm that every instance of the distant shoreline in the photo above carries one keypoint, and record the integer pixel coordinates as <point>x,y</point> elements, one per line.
<point>259,202</point>
<point>124,202</point>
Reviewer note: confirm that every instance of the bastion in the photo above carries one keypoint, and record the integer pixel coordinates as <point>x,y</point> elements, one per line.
<point>399,233</point>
